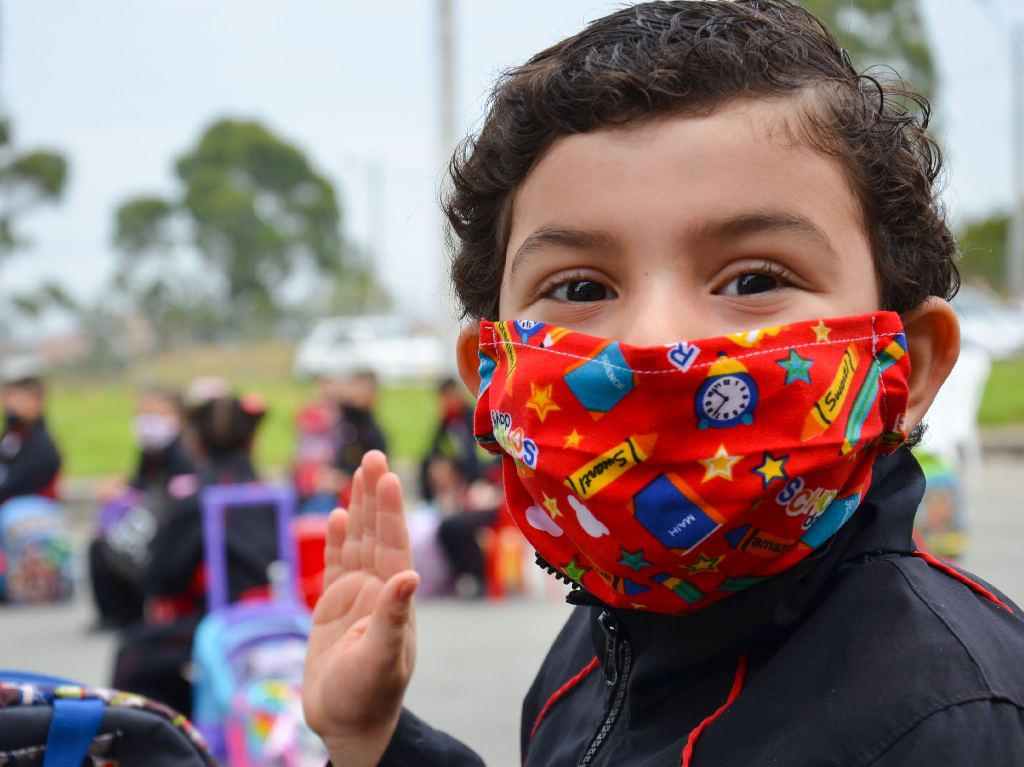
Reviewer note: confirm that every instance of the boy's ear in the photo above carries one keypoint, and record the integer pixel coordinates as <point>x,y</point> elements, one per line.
<point>933,340</point>
<point>468,358</point>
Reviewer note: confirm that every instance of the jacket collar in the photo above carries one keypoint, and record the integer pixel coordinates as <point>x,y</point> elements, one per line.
<point>667,646</point>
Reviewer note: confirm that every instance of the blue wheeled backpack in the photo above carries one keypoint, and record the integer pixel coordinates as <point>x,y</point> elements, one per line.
<point>48,722</point>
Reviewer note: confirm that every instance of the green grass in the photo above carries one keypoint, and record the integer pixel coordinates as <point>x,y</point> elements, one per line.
<point>1003,402</point>
<point>90,417</point>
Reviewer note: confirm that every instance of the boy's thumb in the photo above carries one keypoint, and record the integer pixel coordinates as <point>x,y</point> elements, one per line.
<point>393,612</point>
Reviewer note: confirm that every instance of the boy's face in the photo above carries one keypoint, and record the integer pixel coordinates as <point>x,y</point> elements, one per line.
<point>687,227</point>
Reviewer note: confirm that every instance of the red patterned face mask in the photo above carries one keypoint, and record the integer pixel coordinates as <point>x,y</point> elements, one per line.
<point>666,478</point>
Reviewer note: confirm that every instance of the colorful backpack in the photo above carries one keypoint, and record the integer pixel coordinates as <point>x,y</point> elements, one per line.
<point>36,550</point>
<point>248,657</point>
<point>48,722</point>
<point>941,521</point>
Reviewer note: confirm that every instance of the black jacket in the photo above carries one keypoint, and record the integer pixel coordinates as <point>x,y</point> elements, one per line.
<point>357,433</point>
<point>156,468</point>
<point>176,552</point>
<point>29,462</point>
<point>864,654</point>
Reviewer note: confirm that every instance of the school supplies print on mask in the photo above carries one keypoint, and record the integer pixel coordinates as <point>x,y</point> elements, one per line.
<point>666,478</point>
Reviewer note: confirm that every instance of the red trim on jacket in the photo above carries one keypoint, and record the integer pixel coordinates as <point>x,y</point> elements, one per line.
<point>737,685</point>
<point>583,674</point>
<point>955,574</point>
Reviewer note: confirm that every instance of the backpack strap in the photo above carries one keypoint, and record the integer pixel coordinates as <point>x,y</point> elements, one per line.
<point>74,725</point>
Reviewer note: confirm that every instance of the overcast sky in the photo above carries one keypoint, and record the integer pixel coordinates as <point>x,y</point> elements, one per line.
<point>124,86</point>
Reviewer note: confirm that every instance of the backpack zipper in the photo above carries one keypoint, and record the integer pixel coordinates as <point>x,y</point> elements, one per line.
<point>618,663</point>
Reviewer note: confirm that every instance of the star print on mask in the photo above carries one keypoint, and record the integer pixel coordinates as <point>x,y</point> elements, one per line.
<point>573,569</point>
<point>573,440</point>
<point>540,400</point>
<point>797,368</point>
<point>705,564</point>
<point>772,469</point>
<point>633,559</point>
<point>821,331</point>
<point>719,465</point>
<point>551,504</point>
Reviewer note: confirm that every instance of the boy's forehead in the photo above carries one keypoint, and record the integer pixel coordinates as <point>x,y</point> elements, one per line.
<point>685,171</point>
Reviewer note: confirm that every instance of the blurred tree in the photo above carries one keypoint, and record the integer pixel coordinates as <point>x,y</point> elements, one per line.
<point>887,32</point>
<point>27,180</point>
<point>256,213</point>
<point>983,244</point>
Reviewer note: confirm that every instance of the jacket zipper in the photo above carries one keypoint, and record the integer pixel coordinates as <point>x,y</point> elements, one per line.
<point>618,663</point>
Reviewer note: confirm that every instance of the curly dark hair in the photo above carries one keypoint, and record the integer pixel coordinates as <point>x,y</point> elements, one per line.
<point>691,57</point>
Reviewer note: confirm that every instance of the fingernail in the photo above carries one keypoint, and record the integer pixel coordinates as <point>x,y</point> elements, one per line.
<point>406,590</point>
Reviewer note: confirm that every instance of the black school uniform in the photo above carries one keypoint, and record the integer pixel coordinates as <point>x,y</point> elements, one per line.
<point>176,553</point>
<point>153,658</point>
<point>116,577</point>
<point>29,461</point>
<point>866,653</point>
<point>357,433</point>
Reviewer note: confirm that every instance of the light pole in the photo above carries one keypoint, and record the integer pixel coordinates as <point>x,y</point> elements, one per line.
<point>1015,247</point>
<point>447,322</point>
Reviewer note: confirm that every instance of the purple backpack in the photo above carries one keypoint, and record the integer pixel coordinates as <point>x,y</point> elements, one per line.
<point>247,657</point>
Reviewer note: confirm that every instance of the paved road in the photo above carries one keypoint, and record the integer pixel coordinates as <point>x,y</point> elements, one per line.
<point>476,660</point>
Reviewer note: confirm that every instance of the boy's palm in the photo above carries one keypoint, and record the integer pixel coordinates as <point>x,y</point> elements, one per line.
<point>362,646</point>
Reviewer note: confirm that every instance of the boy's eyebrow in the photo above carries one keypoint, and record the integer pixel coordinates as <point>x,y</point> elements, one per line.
<point>758,222</point>
<point>576,239</point>
<point>733,227</point>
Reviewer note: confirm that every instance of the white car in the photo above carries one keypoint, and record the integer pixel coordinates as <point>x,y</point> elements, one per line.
<point>395,348</point>
<point>987,323</point>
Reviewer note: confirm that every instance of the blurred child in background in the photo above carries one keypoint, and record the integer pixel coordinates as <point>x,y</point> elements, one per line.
<point>131,513</point>
<point>453,437</point>
<point>357,431</point>
<point>153,659</point>
<point>316,426</point>
<point>29,459</point>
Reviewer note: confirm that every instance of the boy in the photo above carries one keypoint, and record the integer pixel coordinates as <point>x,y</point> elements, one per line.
<point>692,170</point>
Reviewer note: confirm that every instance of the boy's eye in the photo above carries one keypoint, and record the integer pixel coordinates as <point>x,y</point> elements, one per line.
<point>751,283</point>
<point>581,291</point>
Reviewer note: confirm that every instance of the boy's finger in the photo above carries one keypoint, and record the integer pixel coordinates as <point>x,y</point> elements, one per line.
<point>337,521</point>
<point>373,467</point>
<point>352,546</point>
<point>393,553</point>
<point>391,618</point>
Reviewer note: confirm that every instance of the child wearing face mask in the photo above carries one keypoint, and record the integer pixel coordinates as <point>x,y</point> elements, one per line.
<point>708,275</point>
<point>158,434</point>
<point>117,556</point>
<point>221,431</point>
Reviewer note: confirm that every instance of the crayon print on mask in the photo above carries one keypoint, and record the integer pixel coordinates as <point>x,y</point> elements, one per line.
<point>667,478</point>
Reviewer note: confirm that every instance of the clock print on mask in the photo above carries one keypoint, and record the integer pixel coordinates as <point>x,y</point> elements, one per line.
<point>727,397</point>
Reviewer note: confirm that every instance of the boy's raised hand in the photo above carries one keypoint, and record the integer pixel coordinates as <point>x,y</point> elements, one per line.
<point>363,643</point>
